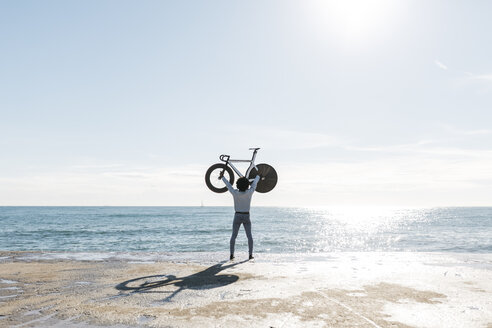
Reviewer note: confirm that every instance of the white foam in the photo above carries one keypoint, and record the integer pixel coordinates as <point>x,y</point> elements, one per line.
<point>6,281</point>
<point>479,261</point>
<point>32,312</point>
<point>138,258</point>
<point>85,256</point>
<point>9,288</point>
<point>8,296</point>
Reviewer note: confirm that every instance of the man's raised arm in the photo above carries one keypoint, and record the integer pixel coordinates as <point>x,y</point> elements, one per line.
<point>228,185</point>
<point>254,183</point>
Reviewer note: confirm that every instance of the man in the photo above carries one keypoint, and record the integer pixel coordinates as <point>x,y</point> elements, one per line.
<point>242,202</point>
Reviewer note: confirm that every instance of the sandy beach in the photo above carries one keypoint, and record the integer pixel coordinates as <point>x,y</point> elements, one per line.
<point>320,290</point>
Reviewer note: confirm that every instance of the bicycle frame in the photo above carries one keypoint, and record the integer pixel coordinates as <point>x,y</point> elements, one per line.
<point>227,159</point>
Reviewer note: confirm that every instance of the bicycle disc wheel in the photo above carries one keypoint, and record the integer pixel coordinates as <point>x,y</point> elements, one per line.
<point>268,179</point>
<point>213,181</point>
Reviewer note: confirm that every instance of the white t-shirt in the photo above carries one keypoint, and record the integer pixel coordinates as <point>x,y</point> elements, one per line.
<point>242,199</point>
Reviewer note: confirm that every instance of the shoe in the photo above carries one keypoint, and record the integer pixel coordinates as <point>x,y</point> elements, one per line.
<point>232,257</point>
<point>251,257</point>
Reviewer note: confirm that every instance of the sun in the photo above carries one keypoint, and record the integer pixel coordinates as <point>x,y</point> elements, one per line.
<point>354,21</point>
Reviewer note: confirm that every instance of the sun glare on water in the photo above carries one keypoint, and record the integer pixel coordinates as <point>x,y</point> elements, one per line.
<point>366,217</point>
<point>365,228</point>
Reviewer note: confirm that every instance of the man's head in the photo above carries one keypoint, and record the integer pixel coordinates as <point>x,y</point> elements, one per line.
<point>242,184</point>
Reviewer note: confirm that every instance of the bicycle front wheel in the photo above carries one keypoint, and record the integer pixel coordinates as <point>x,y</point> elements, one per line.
<point>268,177</point>
<point>213,181</point>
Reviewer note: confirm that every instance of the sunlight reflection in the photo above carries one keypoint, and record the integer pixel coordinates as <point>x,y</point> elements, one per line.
<point>363,228</point>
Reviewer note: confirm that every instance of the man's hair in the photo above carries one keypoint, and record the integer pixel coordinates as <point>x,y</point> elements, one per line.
<point>242,184</point>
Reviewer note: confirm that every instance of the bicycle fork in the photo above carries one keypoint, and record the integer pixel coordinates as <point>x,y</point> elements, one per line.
<point>224,158</point>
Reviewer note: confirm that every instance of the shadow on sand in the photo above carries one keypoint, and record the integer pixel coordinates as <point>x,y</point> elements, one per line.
<point>206,279</point>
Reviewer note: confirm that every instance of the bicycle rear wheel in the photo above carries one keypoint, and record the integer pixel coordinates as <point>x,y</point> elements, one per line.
<point>268,179</point>
<point>213,181</point>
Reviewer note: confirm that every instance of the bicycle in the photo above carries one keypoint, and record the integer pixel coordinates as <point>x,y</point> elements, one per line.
<point>214,174</point>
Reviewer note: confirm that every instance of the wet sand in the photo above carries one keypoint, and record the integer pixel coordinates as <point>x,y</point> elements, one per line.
<point>323,290</point>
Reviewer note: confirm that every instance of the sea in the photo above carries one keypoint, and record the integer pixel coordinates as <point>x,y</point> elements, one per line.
<point>275,229</point>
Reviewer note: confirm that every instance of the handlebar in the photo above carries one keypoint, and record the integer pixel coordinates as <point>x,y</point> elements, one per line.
<point>224,158</point>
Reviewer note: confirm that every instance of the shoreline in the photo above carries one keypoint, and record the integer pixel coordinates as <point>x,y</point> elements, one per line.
<point>346,289</point>
<point>214,256</point>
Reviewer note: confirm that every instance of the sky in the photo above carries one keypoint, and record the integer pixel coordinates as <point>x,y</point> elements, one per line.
<point>354,102</point>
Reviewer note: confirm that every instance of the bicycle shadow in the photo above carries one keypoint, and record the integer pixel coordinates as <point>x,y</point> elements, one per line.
<point>206,279</point>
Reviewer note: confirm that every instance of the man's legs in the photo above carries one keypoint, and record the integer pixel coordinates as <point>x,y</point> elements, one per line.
<point>235,229</point>
<point>247,228</point>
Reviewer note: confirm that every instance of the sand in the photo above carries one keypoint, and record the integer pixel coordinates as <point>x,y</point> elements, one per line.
<point>320,290</point>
